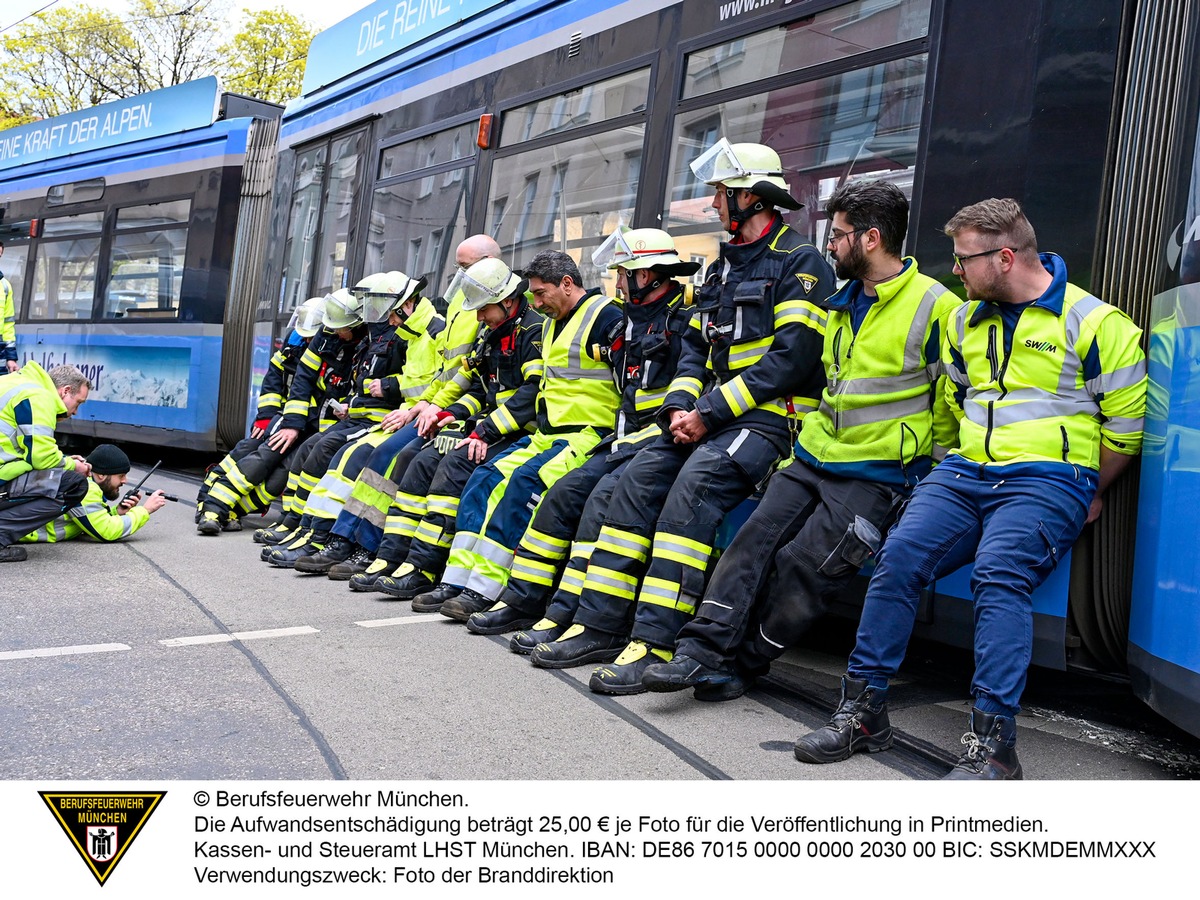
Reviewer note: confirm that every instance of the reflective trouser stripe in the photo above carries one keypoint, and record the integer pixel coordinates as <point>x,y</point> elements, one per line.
<point>610,582</point>
<point>535,570</point>
<point>660,592</point>
<point>623,543</point>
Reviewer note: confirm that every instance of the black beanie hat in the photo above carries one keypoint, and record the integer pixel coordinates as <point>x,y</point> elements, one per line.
<point>108,459</point>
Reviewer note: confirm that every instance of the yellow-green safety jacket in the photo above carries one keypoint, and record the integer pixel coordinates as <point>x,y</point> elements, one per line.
<point>8,321</point>
<point>882,415</point>
<point>29,409</point>
<point>577,387</point>
<point>1069,377</point>
<point>453,344</point>
<point>93,518</point>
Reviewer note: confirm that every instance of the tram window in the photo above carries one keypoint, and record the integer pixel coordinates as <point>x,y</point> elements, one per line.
<point>145,274</point>
<point>64,279</point>
<point>609,99</point>
<point>431,150</point>
<point>565,207</point>
<point>170,212</point>
<point>825,37</point>
<point>302,226</point>
<point>337,212</point>
<point>83,223</point>
<point>76,192</point>
<point>12,266</point>
<point>863,123</point>
<point>404,219</point>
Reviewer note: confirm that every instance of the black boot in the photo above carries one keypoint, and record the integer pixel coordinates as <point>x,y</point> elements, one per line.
<point>578,646</point>
<point>279,532</point>
<point>464,605</point>
<point>337,550</point>
<point>431,601</point>
<point>991,753</point>
<point>366,580</point>
<point>859,723</point>
<point>500,618</point>
<point>405,583</point>
<point>544,632</point>
<point>358,561</point>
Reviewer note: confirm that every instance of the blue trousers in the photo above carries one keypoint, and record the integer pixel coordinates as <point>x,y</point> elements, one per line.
<point>1015,529</point>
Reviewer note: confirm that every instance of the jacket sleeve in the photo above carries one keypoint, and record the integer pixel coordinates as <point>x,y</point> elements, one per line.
<point>945,422</point>
<point>270,395</point>
<point>692,374</point>
<point>1114,369</point>
<point>791,365</point>
<point>453,344</point>
<point>101,523</point>
<point>521,407</point>
<point>35,416</point>
<point>304,388</point>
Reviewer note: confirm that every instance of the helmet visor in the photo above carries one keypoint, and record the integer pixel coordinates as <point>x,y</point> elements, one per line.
<point>377,306</point>
<point>339,314</point>
<point>615,251</point>
<point>306,320</point>
<point>718,164</point>
<point>456,284</point>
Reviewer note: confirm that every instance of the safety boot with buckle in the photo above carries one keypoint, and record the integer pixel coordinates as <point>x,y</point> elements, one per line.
<point>991,753</point>
<point>359,561</point>
<point>500,618</point>
<point>624,675</point>
<point>337,550</point>
<point>367,580</point>
<point>859,723</point>
<point>545,631</point>
<point>464,605</point>
<point>277,533</point>
<point>578,646</point>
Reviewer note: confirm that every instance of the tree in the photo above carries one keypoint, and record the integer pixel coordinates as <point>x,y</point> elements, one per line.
<point>266,57</point>
<point>70,58</point>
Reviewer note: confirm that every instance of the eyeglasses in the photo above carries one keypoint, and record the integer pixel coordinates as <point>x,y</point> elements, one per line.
<point>835,235</point>
<point>959,260</point>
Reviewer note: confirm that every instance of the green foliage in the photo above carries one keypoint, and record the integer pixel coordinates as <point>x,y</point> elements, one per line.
<point>72,57</point>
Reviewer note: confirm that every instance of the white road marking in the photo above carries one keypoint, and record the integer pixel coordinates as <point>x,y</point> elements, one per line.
<point>400,620</point>
<point>63,651</point>
<point>238,636</point>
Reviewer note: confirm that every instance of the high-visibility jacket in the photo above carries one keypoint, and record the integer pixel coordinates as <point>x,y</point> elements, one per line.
<point>1069,377</point>
<point>422,359</point>
<point>29,409</point>
<point>453,344</point>
<point>8,321</point>
<point>500,377</point>
<point>93,518</point>
<point>577,383</point>
<point>760,313</point>
<point>878,419</point>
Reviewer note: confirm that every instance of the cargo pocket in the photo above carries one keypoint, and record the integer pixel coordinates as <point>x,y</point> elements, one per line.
<point>860,542</point>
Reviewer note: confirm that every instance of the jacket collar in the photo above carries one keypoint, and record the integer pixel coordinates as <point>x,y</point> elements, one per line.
<point>884,291</point>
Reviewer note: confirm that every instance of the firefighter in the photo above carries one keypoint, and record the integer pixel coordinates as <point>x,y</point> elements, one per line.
<point>655,328</point>
<point>228,492</point>
<point>400,363</point>
<point>759,312</point>
<point>37,483</point>
<point>577,404</point>
<point>360,523</point>
<point>876,433</point>
<point>494,401</point>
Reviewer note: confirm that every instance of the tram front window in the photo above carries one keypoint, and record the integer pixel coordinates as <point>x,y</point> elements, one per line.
<point>64,279</point>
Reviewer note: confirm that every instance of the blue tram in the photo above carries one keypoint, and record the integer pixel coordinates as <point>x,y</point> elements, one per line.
<point>133,235</point>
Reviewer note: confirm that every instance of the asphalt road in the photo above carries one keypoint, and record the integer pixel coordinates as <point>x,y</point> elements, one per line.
<point>172,655</point>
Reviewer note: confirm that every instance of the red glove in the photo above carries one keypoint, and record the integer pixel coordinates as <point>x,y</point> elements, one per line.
<point>443,416</point>
<point>262,424</point>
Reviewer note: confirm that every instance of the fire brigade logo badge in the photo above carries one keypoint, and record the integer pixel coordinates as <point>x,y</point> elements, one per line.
<point>100,825</point>
<point>808,281</point>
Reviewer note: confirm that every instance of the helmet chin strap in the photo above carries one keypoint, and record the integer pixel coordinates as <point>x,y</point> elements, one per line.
<point>739,214</point>
<point>637,296</point>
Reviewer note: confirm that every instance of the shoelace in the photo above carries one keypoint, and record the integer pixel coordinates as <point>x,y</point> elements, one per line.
<point>977,752</point>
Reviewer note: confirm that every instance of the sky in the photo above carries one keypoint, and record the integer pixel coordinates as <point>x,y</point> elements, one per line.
<point>322,13</point>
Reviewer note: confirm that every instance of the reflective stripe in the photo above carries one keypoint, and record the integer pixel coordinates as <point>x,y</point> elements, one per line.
<point>748,354</point>
<point>533,570</point>
<point>610,582</point>
<point>1013,413</point>
<point>547,545</point>
<point>488,549</point>
<point>686,385</point>
<point>880,412</point>
<point>1123,425</point>
<point>572,372</point>
<point>659,592</point>
<point>428,533</point>
<point>915,379</point>
<point>440,505</point>
<point>1126,376</point>
<point>681,550</point>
